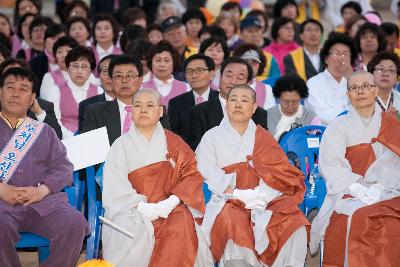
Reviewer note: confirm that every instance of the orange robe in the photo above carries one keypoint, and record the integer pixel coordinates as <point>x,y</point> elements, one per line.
<point>175,237</point>
<point>234,222</point>
<point>374,238</point>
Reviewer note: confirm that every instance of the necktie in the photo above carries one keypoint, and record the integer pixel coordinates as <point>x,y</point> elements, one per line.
<point>116,5</point>
<point>128,119</point>
<point>199,100</point>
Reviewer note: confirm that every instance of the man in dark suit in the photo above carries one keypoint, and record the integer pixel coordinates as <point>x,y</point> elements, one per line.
<point>207,115</point>
<point>106,84</point>
<point>305,61</point>
<point>199,71</point>
<point>126,74</point>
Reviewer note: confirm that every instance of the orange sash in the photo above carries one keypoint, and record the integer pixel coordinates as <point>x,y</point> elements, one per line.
<point>373,238</point>
<point>233,222</point>
<point>175,237</point>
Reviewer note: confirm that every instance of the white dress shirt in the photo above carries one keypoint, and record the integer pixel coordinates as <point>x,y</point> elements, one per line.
<point>327,97</point>
<point>102,53</point>
<point>164,88</point>
<point>205,95</point>
<point>108,97</point>
<point>314,58</point>
<point>78,92</point>
<point>48,83</point>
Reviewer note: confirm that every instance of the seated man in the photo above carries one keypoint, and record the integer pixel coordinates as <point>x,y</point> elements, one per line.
<point>126,73</point>
<point>152,188</point>
<point>34,168</point>
<point>359,220</point>
<point>253,217</point>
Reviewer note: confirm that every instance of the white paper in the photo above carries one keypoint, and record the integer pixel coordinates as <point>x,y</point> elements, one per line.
<point>87,149</point>
<point>313,142</point>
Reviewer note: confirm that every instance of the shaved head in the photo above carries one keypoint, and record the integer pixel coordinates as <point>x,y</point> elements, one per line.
<point>243,87</point>
<point>368,77</point>
<point>154,93</point>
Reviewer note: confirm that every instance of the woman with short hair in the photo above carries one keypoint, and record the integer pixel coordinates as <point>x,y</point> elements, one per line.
<point>162,60</point>
<point>290,90</point>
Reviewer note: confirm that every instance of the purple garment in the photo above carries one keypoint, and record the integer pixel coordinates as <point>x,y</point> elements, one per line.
<point>46,162</point>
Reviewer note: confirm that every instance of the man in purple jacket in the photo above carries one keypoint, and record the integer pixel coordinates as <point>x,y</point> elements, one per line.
<point>34,168</point>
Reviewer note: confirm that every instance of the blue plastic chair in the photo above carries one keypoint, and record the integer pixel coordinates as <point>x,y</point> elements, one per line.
<point>304,142</point>
<point>95,209</point>
<point>30,240</point>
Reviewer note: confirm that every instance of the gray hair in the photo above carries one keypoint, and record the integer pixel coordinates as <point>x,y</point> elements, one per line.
<point>150,92</point>
<point>246,87</point>
<point>358,73</point>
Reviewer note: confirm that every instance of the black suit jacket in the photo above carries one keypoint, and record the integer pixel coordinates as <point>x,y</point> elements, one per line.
<point>309,67</point>
<point>209,114</point>
<point>85,103</point>
<point>40,66</point>
<point>178,112</point>
<point>107,114</point>
<point>50,118</point>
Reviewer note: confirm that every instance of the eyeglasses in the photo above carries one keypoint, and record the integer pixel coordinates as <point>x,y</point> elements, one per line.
<point>39,29</point>
<point>197,71</point>
<point>339,53</point>
<point>83,67</point>
<point>128,77</point>
<point>364,87</point>
<point>145,106</point>
<point>383,70</point>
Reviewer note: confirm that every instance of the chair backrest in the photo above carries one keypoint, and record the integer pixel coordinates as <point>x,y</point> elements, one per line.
<point>304,142</point>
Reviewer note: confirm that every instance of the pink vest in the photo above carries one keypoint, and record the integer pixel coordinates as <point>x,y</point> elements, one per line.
<point>16,45</point>
<point>178,88</point>
<point>116,51</point>
<point>57,76</point>
<point>69,107</point>
<point>261,92</point>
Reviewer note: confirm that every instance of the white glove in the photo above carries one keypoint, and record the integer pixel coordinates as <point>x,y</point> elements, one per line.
<point>246,195</point>
<point>375,193</point>
<point>148,210</point>
<point>165,207</point>
<point>369,195</point>
<point>256,205</point>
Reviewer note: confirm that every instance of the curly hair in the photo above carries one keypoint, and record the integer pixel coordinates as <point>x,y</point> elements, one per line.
<point>339,38</point>
<point>106,17</point>
<point>375,30</point>
<point>290,83</point>
<point>384,56</point>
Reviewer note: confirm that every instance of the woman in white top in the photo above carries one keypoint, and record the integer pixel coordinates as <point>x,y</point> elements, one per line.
<point>162,60</point>
<point>328,89</point>
<point>105,36</point>
<point>217,49</point>
<point>67,95</point>
<point>60,50</point>
<point>385,67</point>
<point>256,59</point>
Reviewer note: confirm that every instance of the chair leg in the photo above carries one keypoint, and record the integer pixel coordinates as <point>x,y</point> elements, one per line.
<point>44,253</point>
